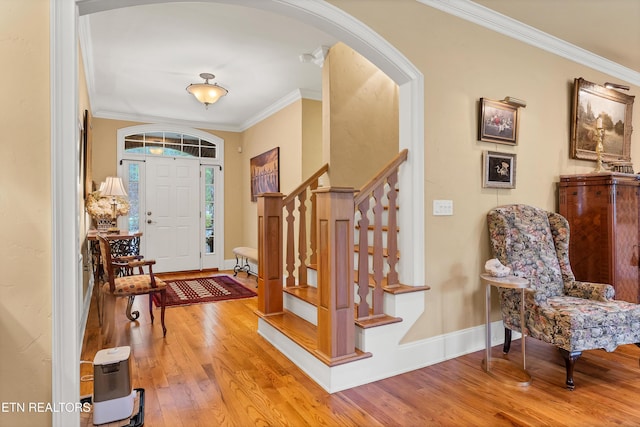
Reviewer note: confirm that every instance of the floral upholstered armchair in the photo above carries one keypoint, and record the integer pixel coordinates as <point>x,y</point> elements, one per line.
<point>572,315</point>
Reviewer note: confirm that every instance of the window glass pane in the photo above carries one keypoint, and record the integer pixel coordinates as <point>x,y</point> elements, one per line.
<point>190,140</point>
<point>209,211</point>
<point>208,152</point>
<point>191,151</point>
<point>132,145</point>
<point>134,197</point>
<point>207,143</point>
<point>137,137</point>
<point>172,138</point>
<point>154,137</point>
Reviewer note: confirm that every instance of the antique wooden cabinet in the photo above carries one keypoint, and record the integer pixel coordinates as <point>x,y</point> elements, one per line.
<point>602,210</point>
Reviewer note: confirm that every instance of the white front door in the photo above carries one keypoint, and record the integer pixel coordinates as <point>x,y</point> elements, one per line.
<point>172,213</point>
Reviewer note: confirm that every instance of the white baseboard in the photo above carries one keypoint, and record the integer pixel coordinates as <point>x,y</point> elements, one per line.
<point>84,316</point>
<point>387,360</point>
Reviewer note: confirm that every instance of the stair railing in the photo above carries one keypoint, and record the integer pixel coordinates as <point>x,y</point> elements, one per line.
<point>384,184</point>
<point>306,253</point>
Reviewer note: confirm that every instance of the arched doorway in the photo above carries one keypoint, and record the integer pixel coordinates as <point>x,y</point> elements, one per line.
<point>66,336</point>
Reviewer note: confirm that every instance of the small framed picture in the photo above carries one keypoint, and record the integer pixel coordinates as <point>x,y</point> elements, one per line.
<point>499,170</point>
<point>498,122</point>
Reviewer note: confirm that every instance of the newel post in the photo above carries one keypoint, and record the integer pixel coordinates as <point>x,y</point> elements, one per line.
<point>334,231</point>
<point>270,253</point>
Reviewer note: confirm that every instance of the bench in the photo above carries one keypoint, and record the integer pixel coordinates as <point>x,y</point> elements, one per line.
<point>243,256</point>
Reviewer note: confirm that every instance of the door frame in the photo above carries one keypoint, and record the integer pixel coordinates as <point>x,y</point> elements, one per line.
<point>202,161</point>
<point>66,330</point>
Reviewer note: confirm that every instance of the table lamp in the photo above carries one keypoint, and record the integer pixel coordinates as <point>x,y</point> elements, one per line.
<point>113,188</point>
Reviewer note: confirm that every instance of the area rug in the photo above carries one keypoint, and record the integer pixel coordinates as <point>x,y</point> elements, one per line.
<point>201,290</point>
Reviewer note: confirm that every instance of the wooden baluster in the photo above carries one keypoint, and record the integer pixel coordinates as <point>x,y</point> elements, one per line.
<point>336,333</point>
<point>291,261</point>
<point>302,239</point>
<point>270,253</point>
<point>363,260</point>
<point>378,259</point>
<point>313,259</point>
<point>392,231</point>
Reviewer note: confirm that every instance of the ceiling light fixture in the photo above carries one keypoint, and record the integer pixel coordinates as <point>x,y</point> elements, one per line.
<point>205,92</point>
<point>610,85</point>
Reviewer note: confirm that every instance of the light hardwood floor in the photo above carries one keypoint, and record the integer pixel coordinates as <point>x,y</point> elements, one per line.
<point>213,369</point>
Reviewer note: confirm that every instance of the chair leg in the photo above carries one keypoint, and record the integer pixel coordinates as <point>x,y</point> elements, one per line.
<point>507,341</point>
<point>163,300</point>
<point>151,307</point>
<point>132,315</point>
<point>570,358</point>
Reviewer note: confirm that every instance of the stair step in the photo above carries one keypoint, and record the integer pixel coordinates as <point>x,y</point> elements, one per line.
<point>304,292</point>
<point>373,321</point>
<point>372,227</point>
<point>398,288</point>
<point>385,252</point>
<point>305,335</point>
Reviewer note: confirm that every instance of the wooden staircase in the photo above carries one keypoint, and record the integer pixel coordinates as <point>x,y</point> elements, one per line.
<point>316,311</point>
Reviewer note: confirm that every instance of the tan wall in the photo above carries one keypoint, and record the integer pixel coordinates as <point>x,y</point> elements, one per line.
<point>282,129</point>
<point>360,113</point>
<point>105,139</point>
<point>25,209</point>
<point>463,62</point>
<point>311,137</point>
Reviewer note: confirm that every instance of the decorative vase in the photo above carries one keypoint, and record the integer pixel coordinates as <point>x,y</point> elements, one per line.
<point>103,224</point>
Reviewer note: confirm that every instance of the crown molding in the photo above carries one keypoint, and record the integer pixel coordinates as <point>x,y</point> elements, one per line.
<point>141,118</point>
<point>281,103</point>
<point>510,27</point>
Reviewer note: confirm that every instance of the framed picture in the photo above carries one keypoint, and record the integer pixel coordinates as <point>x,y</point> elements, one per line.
<point>498,170</point>
<point>265,173</point>
<point>85,154</point>
<point>614,109</point>
<point>498,122</point>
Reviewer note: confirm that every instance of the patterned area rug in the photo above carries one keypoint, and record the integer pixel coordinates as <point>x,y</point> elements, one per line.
<point>201,290</point>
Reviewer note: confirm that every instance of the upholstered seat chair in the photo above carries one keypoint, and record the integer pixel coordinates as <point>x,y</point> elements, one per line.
<point>131,284</point>
<point>572,315</point>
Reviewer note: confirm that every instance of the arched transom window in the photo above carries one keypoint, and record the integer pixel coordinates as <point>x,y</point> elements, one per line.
<point>172,144</point>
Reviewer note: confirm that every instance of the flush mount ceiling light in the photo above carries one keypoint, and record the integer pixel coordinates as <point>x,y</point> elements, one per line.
<point>205,92</point>
<point>610,85</point>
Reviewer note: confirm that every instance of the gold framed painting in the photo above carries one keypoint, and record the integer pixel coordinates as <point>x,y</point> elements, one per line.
<point>593,106</point>
<point>498,122</point>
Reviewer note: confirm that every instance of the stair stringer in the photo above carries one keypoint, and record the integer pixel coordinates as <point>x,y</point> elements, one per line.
<point>389,358</point>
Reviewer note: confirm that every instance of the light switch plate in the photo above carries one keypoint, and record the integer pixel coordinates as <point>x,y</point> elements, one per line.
<point>442,207</point>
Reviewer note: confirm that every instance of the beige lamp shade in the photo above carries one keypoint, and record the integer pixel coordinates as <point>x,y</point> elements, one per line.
<point>112,187</point>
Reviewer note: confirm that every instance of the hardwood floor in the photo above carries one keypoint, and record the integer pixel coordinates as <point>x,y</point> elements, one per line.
<point>213,369</point>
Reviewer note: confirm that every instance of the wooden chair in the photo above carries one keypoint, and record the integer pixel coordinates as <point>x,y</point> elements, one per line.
<point>131,284</point>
